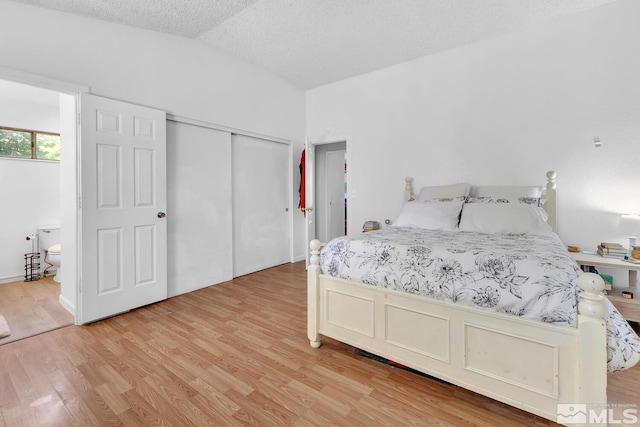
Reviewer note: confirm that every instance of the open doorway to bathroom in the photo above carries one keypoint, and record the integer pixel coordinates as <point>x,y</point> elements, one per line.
<point>331,191</point>
<point>30,189</point>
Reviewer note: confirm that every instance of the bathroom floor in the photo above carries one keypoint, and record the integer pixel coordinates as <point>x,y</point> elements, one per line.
<point>31,308</point>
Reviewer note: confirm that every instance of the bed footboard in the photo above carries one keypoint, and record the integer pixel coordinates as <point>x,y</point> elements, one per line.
<point>524,363</point>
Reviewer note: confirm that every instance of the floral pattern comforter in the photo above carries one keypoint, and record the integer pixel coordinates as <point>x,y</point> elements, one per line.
<point>530,276</point>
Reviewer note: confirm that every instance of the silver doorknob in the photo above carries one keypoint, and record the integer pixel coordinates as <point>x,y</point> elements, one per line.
<point>161,214</point>
<point>309,209</point>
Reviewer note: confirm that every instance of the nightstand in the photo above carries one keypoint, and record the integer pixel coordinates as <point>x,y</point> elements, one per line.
<point>629,308</point>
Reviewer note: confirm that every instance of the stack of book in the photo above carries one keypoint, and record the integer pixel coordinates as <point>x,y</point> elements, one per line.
<point>370,226</point>
<point>612,250</point>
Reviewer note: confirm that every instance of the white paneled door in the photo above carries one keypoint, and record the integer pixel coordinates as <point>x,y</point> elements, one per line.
<point>261,213</point>
<point>122,207</point>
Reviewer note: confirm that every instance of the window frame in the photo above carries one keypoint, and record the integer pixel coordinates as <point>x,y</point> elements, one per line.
<point>34,143</point>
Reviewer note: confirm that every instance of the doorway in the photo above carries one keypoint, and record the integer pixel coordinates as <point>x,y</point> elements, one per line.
<point>328,172</point>
<point>331,195</point>
<point>37,199</point>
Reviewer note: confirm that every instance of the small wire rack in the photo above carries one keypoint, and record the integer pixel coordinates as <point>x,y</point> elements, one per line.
<point>31,266</point>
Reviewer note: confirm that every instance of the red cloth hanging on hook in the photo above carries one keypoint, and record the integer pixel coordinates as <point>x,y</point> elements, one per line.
<point>301,203</point>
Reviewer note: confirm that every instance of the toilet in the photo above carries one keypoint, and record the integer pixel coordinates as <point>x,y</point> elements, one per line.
<point>50,245</point>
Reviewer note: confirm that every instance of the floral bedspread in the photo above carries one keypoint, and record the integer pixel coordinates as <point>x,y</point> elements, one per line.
<point>530,276</point>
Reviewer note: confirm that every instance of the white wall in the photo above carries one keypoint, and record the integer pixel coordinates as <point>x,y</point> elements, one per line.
<point>503,110</point>
<point>181,76</point>
<point>29,189</point>
<point>178,75</point>
<point>29,198</point>
<point>68,196</point>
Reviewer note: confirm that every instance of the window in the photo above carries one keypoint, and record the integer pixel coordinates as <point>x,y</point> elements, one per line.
<point>29,144</point>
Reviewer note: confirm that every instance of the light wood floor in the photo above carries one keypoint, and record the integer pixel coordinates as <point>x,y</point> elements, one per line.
<point>32,308</point>
<point>231,354</point>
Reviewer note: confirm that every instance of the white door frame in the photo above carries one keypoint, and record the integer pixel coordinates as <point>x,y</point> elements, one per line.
<point>310,229</point>
<point>74,90</point>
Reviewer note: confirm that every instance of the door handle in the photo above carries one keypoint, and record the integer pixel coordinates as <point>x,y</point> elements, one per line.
<point>161,214</point>
<point>307,209</point>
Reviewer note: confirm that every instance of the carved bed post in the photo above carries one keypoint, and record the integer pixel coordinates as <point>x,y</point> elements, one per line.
<point>592,368</point>
<point>551,198</point>
<point>313,294</point>
<point>408,189</point>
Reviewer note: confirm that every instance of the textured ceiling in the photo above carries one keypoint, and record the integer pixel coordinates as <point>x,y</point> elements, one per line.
<point>314,42</point>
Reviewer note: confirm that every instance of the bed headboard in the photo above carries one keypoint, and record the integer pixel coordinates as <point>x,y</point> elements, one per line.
<point>549,195</point>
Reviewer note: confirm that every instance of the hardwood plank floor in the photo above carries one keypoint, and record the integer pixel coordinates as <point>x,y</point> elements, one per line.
<point>32,308</point>
<point>231,354</point>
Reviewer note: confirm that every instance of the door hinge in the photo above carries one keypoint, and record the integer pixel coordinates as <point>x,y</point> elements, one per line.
<point>79,202</point>
<point>79,119</point>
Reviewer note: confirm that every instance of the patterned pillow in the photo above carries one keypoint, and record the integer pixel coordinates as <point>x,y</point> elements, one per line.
<point>444,191</point>
<point>533,201</point>
<point>447,199</point>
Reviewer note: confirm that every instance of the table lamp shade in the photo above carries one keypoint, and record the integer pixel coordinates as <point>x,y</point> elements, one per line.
<point>630,225</point>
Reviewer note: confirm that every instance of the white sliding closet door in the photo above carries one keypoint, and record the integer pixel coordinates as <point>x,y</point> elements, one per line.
<point>199,204</point>
<point>260,204</point>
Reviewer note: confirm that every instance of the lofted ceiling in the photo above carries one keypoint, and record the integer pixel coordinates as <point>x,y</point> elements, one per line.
<point>310,43</point>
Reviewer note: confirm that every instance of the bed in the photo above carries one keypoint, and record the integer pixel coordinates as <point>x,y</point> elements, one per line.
<point>457,326</point>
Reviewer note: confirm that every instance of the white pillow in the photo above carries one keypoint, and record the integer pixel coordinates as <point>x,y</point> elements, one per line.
<point>444,191</point>
<point>430,215</point>
<point>507,191</point>
<point>504,218</point>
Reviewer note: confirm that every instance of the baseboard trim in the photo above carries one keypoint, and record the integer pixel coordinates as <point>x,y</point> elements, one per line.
<point>9,279</point>
<point>299,258</point>
<point>66,304</point>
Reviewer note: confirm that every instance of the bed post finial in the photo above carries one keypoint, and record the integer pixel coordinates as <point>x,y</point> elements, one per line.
<point>408,189</point>
<point>315,252</point>
<point>592,286</point>
<point>551,201</point>
<point>551,180</point>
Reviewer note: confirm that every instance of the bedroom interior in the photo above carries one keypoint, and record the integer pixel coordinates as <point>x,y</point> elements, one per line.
<point>498,109</point>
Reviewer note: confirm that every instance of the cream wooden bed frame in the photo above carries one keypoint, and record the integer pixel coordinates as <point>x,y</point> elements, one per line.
<point>528,364</point>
